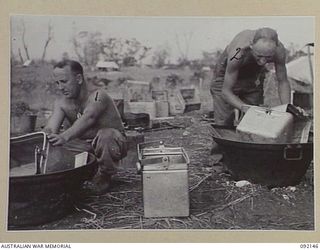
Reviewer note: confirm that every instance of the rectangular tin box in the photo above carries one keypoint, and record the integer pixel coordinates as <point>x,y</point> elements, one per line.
<point>164,180</point>
<point>262,125</point>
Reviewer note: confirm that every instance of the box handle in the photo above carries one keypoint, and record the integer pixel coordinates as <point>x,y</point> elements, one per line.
<point>293,153</point>
<point>139,168</point>
<point>37,159</point>
<point>165,162</point>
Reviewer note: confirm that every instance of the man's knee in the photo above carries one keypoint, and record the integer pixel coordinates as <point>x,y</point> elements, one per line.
<point>105,133</point>
<point>111,141</point>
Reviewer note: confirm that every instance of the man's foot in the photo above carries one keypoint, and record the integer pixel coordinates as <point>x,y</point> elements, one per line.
<point>215,149</point>
<point>99,185</point>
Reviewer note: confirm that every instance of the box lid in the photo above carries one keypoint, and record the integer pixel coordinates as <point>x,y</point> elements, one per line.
<point>154,148</point>
<point>156,156</point>
<point>164,163</point>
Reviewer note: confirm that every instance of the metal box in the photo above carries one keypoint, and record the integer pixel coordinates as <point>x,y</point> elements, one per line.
<point>164,180</point>
<point>262,125</point>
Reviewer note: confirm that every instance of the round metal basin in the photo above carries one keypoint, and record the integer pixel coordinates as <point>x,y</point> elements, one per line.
<point>272,165</point>
<point>40,198</point>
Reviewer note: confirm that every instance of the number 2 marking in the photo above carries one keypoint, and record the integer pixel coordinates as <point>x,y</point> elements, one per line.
<point>235,55</point>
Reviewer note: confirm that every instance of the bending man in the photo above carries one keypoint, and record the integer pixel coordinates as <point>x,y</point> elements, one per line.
<point>240,73</point>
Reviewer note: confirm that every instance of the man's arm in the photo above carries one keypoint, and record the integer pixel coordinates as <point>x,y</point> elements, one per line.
<point>95,107</point>
<point>230,78</point>
<point>281,73</point>
<point>56,118</point>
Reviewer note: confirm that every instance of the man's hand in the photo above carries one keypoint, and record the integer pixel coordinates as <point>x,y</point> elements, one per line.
<point>302,112</point>
<point>48,131</point>
<point>297,111</point>
<point>245,108</point>
<point>57,140</point>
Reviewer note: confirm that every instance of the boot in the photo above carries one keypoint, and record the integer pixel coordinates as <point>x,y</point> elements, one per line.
<point>99,185</point>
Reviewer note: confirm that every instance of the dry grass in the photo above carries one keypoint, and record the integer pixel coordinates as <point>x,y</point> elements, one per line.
<point>215,201</point>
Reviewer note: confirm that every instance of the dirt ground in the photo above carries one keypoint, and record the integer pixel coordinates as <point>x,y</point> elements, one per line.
<point>215,201</point>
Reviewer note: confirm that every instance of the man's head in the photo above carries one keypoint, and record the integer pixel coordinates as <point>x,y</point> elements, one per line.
<point>264,45</point>
<point>68,75</point>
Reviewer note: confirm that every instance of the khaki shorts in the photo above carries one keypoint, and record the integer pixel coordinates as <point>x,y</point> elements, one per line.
<point>224,112</point>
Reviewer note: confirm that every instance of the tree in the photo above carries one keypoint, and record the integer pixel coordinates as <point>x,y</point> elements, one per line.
<point>183,44</point>
<point>160,56</point>
<point>117,49</point>
<point>112,48</point>
<point>87,46</point>
<point>91,47</point>
<point>49,38</point>
<point>129,61</point>
<point>210,58</point>
<point>20,56</point>
<point>22,31</point>
<point>23,39</point>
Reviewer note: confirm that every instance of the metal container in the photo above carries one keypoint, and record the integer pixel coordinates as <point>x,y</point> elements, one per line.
<point>262,125</point>
<point>37,197</point>
<point>162,109</point>
<point>139,120</point>
<point>160,95</point>
<point>191,99</point>
<point>164,179</point>
<point>272,165</point>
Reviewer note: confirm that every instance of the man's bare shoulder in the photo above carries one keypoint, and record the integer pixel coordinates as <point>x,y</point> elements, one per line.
<point>234,62</point>
<point>99,96</point>
<point>242,40</point>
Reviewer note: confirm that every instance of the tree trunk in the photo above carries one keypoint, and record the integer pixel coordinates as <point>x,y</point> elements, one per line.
<point>50,36</point>
<point>20,56</point>
<point>24,42</point>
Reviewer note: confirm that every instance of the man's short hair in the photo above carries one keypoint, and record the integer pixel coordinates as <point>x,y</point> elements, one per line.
<point>75,66</point>
<point>266,33</point>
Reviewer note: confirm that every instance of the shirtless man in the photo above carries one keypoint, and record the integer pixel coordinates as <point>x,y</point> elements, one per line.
<point>96,125</point>
<point>240,72</point>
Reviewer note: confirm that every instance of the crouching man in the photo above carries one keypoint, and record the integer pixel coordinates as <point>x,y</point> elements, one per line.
<point>95,123</point>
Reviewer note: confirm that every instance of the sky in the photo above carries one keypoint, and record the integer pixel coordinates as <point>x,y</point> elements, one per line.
<point>205,33</point>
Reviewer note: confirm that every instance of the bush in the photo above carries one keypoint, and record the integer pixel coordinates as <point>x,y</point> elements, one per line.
<point>21,108</point>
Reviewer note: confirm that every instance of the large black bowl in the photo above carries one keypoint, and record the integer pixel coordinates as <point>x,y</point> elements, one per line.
<point>40,198</point>
<point>272,165</point>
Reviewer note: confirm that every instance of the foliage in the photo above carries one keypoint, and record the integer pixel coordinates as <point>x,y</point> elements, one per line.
<point>87,46</point>
<point>19,108</point>
<point>129,61</point>
<point>173,80</point>
<point>160,56</point>
<point>90,47</point>
<point>210,58</point>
